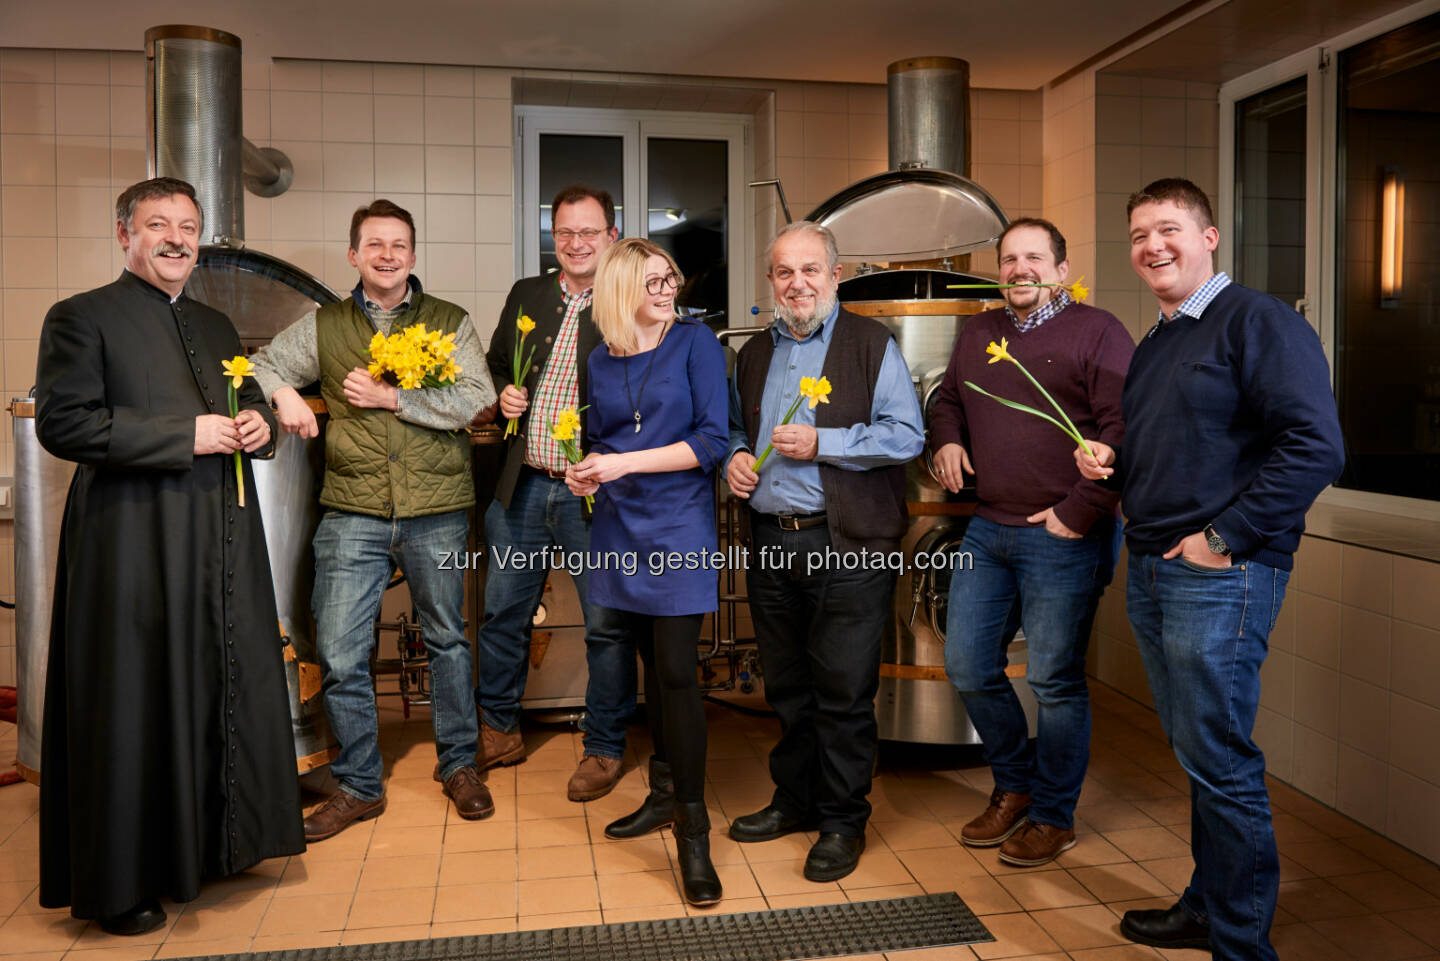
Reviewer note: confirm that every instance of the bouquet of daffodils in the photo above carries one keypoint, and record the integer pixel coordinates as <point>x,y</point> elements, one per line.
<point>567,424</point>
<point>414,357</point>
<point>520,362</point>
<point>816,391</point>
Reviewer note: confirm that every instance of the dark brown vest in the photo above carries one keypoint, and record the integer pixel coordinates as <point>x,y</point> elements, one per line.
<point>865,509</point>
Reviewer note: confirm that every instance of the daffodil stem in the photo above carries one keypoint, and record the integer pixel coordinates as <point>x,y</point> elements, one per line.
<point>764,454</point>
<point>1075,433</point>
<point>239,473</point>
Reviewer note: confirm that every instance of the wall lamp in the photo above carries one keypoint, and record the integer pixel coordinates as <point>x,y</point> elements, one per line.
<point>1392,236</point>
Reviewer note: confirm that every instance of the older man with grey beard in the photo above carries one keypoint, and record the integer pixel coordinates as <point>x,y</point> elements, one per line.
<point>823,509</point>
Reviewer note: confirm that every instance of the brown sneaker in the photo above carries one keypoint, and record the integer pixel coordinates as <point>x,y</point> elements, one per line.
<point>471,796</point>
<point>338,812</point>
<point>1000,820</point>
<point>594,778</point>
<point>1036,844</point>
<point>497,747</point>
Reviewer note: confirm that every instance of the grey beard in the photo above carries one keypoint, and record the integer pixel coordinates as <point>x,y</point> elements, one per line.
<point>804,326</point>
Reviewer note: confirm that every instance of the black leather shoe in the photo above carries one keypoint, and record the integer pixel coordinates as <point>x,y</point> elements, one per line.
<point>657,811</point>
<point>833,856</point>
<point>141,919</point>
<point>1168,928</point>
<point>698,880</point>
<point>766,824</point>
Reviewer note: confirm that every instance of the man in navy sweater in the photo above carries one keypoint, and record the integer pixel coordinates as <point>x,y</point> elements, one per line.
<point>1042,535</point>
<point>1230,433</point>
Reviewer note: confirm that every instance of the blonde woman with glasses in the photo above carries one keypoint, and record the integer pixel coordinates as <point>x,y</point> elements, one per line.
<point>657,429</point>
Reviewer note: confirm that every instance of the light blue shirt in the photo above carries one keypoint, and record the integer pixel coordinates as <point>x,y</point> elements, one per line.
<point>895,434</point>
<point>1200,298</point>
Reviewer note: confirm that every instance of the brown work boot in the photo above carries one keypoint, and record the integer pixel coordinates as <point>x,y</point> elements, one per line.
<point>1036,844</point>
<point>471,796</point>
<point>1000,820</point>
<point>339,811</point>
<point>594,778</point>
<point>497,747</point>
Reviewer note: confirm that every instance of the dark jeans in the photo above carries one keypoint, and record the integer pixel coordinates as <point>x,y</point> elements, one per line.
<point>819,635</point>
<point>544,514</point>
<point>355,554</point>
<point>1203,636</point>
<point>1058,583</point>
<point>669,648</point>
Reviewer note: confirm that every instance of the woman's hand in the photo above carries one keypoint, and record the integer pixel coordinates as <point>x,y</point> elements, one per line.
<point>578,486</point>
<point>600,468</point>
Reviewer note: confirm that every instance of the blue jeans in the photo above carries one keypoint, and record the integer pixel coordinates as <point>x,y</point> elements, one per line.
<point>543,514</point>
<point>1203,636</point>
<point>1058,583</point>
<point>355,554</point>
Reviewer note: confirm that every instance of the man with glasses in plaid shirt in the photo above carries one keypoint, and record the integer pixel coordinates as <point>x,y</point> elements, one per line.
<point>534,511</point>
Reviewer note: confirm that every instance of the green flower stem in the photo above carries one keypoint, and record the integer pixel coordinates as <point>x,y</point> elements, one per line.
<point>764,454</point>
<point>572,454</point>
<point>235,412</point>
<point>996,286</point>
<point>1073,432</point>
<point>1028,410</point>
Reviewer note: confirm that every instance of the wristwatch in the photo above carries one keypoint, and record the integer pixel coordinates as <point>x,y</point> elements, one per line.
<point>1215,542</point>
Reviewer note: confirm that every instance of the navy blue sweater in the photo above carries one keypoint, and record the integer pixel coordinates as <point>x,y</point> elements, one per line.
<point>1230,420</point>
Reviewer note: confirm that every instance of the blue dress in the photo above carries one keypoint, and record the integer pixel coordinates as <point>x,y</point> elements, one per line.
<point>650,516</point>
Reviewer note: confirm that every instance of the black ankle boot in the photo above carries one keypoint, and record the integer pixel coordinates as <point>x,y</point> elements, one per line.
<point>692,841</point>
<point>657,811</point>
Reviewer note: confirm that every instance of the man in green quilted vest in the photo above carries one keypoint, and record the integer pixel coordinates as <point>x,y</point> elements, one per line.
<point>397,488</point>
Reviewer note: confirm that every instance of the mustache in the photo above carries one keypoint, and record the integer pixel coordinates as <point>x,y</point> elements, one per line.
<point>166,247</point>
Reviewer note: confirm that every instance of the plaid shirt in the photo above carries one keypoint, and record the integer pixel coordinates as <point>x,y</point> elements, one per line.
<point>1195,304</point>
<point>559,386</point>
<point>1040,314</point>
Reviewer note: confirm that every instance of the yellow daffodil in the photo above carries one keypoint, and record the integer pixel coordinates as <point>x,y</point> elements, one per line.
<point>237,369</point>
<point>998,351</point>
<point>524,324</point>
<point>1078,290</point>
<point>817,391</point>
<point>561,431</point>
<point>565,430</point>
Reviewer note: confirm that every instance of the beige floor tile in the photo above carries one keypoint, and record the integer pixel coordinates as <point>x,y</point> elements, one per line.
<point>1314,899</point>
<point>807,899</point>
<point>539,780</point>
<point>552,833</point>
<point>1167,810</point>
<point>379,909</point>
<point>558,895</point>
<point>1119,952</point>
<point>403,840</point>
<point>1383,891</point>
<point>982,895</point>
<point>472,902</point>
<point>728,905</point>
<point>912,833</point>
<point>1015,934</point>
<point>473,867</point>
<point>778,878</point>
<point>639,889</point>
<point>1091,849</point>
<point>488,835</point>
<point>190,949</point>
<point>1174,873</point>
<point>565,919</point>
<point>13,894</point>
<point>116,951</point>
<point>1424,923</point>
<point>1292,870</point>
<point>877,867</point>
<point>259,881</point>
<point>209,922</point>
<point>1300,942</point>
<point>54,931</point>
<point>532,807</point>
<point>462,929</point>
<point>322,912</point>
<point>404,871</point>
<point>399,932</point>
<point>954,952</point>
<point>638,854</point>
<point>1371,937</point>
<point>1329,858</point>
<point>299,941</point>
<point>1039,890</point>
<point>940,869</point>
<point>349,844</point>
<point>1110,816</point>
<point>650,912</point>
<point>786,848</point>
<point>883,892</point>
<point>1143,844</point>
<point>738,882</point>
<point>1087,926</point>
<point>1120,882</point>
<point>560,861</point>
<point>305,876</point>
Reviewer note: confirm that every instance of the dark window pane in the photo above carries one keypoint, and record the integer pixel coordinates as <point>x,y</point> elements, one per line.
<point>1270,191</point>
<point>688,182</point>
<point>1387,351</point>
<point>567,159</point>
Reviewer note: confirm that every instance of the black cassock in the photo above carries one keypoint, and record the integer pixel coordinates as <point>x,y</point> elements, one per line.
<point>167,756</point>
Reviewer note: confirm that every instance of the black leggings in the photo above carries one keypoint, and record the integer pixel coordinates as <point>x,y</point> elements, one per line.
<point>668,647</point>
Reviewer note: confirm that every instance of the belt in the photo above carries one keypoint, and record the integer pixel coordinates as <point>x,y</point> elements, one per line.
<point>793,522</point>
<point>545,472</point>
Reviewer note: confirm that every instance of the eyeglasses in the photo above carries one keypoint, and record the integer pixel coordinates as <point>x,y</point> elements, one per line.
<point>564,235</point>
<point>654,285</point>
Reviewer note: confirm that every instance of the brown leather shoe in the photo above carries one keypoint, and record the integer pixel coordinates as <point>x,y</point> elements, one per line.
<point>1036,844</point>
<point>471,796</point>
<point>594,778</point>
<point>498,748</point>
<point>1000,820</point>
<point>339,811</point>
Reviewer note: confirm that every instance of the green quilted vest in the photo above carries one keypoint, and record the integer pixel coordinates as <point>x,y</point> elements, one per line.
<point>376,463</point>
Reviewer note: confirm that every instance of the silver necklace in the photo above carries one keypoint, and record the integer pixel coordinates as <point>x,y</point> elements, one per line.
<point>625,365</point>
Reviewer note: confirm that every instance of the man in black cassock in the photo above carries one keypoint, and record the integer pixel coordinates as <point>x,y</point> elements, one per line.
<point>167,756</point>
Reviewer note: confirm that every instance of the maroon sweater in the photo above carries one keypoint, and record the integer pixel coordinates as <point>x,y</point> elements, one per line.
<point>1024,464</point>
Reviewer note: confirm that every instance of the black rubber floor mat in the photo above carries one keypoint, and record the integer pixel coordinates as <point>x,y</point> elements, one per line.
<point>792,934</point>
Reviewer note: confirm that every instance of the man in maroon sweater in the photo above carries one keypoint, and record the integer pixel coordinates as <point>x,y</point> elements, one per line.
<point>1042,537</point>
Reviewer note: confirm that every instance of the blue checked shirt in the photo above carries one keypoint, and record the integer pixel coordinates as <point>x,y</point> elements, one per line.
<point>1039,315</point>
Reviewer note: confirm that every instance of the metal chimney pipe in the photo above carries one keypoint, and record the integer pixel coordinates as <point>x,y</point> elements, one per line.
<point>192,80</point>
<point>929,101</point>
